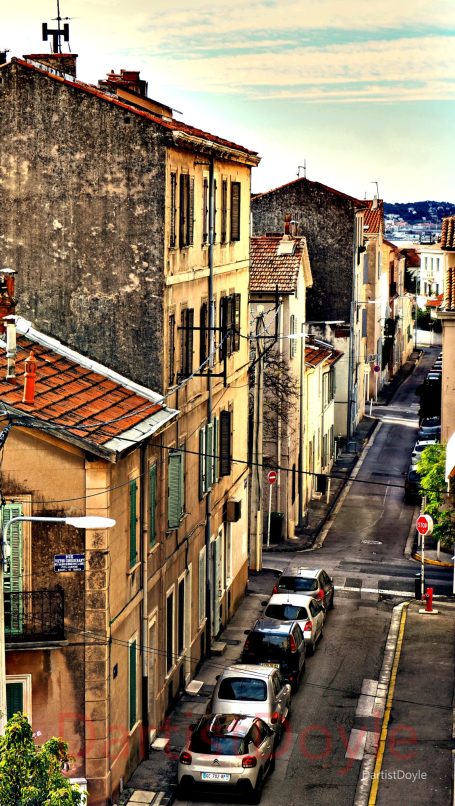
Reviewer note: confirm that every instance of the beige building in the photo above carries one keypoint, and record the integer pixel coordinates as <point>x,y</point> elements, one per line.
<point>446,314</point>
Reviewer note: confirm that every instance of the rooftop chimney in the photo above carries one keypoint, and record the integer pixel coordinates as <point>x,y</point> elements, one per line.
<point>126,80</point>
<point>63,63</point>
<point>374,205</point>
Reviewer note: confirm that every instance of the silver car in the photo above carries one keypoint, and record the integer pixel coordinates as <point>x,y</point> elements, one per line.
<point>254,690</point>
<point>307,611</point>
<point>227,751</point>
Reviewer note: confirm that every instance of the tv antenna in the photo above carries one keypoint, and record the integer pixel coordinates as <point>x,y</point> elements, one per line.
<point>376,182</point>
<point>57,33</point>
<point>303,168</point>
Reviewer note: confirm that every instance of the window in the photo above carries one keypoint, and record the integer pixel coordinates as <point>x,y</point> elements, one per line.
<point>152,505</point>
<point>133,522</point>
<point>169,631</point>
<point>175,488</point>
<point>328,387</point>
<point>235,211</point>
<point>225,443</point>
<point>186,219</point>
<point>205,211</point>
<point>365,267</point>
<point>224,211</point>
<point>181,617</point>
<point>364,322</point>
<point>173,216</point>
<point>292,332</point>
<point>186,342</point>
<point>215,211</point>
<point>19,695</point>
<point>230,325</point>
<point>202,584</point>
<point>132,687</point>
<point>13,572</point>
<point>203,333</point>
<point>208,458</point>
<point>171,349</point>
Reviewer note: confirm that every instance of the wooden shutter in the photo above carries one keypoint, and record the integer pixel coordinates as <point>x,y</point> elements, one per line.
<point>202,583</point>
<point>133,522</point>
<point>132,684</point>
<point>205,210</point>
<point>181,617</point>
<point>209,456</point>
<point>175,491</point>
<point>235,211</point>
<point>223,328</point>
<point>236,338</point>
<point>365,267</point>
<point>225,443</point>
<point>189,340</point>
<point>190,227</point>
<point>152,500</point>
<point>169,632</point>
<point>202,487</point>
<point>13,575</point>
<point>171,349</point>
<point>14,699</point>
<point>173,211</point>
<point>364,322</point>
<point>224,211</point>
<point>184,217</point>
<point>203,318</point>
<point>216,450</point>
<point>214,209</point>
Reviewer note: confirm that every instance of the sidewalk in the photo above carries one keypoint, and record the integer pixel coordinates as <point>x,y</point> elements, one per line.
<point>416,765</point>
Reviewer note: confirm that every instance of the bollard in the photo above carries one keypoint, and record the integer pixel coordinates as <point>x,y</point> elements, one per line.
<point>417,583</point>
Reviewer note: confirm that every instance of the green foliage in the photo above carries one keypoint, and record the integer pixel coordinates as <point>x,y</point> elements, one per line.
<point>431,468</point>
<point>32,775</point>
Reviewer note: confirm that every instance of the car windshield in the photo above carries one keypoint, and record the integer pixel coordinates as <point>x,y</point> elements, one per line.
<point>202,741</point>
<point>286,612</point>
<point>267,646</point>
<point>297,584</point>
<point>243,688</point>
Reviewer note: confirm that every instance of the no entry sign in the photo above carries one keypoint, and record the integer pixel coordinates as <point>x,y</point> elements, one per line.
<point>424,524</point>
<point>272,476</point>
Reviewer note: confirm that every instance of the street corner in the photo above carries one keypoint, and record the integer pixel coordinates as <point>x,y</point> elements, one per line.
<point>416,555</point>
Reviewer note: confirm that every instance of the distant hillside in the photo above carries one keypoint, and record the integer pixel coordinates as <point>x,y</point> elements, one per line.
<point>431,211</point>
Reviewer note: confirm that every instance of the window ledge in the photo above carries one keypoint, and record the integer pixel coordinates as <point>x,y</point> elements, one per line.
<point>153,549</point>
<point>133,568</point>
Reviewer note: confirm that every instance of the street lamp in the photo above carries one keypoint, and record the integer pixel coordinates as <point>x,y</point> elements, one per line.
<point>83,522</point>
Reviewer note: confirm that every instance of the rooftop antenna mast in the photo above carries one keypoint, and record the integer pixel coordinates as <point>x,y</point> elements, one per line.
<point>303,167</point>
<point>375,182</point>
<point>57,33</point>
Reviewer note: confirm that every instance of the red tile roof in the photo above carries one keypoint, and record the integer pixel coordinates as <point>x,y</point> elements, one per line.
<point>435,303</point>
<point>318,352</point>
<point>88,405</point>
<point>448,233</point>
<point>172,125</point>
<point>269,269</point>
<point>374,217</point>
<point>449,289</point>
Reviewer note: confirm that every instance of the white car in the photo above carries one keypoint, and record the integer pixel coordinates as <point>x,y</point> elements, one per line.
<point>306,610</point>
<point>419,447</point>
<point>255,690</point>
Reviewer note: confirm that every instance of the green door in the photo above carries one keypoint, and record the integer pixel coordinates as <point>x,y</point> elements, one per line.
<point>14,699</point>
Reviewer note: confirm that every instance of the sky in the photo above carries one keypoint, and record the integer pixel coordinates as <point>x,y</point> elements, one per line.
<point>358,93</point>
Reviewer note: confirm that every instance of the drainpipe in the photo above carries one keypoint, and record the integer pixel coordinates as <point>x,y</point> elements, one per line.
<point>208,500</point>
<point>144,558</point>
<point>301,424</point>
<point>351,335</point>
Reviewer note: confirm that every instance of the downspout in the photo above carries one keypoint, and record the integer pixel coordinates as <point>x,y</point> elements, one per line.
<point>208,500</point>
<point>144,559</point>
<point>351,334</point>
<point>279,425</point>
<point>301,423</point>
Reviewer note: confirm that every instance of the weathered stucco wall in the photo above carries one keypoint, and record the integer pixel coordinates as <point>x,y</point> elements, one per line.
<point>82,220</point>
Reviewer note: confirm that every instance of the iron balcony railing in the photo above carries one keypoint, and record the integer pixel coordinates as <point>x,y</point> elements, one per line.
<point>34,616</point>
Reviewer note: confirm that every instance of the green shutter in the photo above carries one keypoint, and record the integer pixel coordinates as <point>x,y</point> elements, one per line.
<point>14,699</point>
<point>175,489</point>
<point>202,488</point>
<point>152,514</point>
<point>209,456</point>
<point>132,684</point>
<point>133,520</point>
<point>13,575</point>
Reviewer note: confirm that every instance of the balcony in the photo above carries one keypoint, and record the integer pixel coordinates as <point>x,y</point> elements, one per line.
<point>34,616</point>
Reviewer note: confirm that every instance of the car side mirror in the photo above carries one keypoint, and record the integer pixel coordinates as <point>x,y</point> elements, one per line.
<point>263,604</point>
<point>192,727</point>
<point>246,632</point>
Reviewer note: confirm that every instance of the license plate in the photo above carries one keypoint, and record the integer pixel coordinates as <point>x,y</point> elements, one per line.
<point>273,665</point>
<point>215,776</point>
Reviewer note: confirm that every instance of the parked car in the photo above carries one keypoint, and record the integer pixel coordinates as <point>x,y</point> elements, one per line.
<point>412,486</point>
<point>227,751</point>
<point>419,447</point>
<point>278,645</point>
<point>426,433</point>
<point>431,425</point>
<point>312,581</point>
<point>254,690</point>
<point>307,611</point>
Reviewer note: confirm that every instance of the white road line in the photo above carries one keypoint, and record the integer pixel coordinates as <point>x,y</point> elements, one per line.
<point>376,590</point>
<point>356,746</point>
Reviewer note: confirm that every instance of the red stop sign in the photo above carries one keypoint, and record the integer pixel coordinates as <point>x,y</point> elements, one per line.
<point>424,524</point>
<point>272,476</point>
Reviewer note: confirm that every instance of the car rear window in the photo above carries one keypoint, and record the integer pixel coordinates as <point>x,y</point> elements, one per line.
<point>286,612</point>
<point>202,741</point>
<point>242,688</point>
<point>268,646</point>
<point>297,584</point>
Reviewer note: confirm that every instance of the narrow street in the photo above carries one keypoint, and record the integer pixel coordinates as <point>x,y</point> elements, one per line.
<point>319,760</point>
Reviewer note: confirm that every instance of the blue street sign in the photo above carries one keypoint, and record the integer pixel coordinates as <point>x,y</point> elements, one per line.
<point>69,562</point>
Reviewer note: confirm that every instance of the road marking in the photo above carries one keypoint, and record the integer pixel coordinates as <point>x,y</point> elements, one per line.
<point>376,590</point>
<point>365,705</point>
<point>387,711</point>
<point>356,746</point>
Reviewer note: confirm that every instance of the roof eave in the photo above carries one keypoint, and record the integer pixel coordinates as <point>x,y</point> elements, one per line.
<point>210,147</point>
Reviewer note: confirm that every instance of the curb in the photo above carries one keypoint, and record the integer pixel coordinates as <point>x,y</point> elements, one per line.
<point>439,563</point>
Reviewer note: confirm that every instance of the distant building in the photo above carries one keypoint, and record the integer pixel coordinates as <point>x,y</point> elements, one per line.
<point>446,315</point>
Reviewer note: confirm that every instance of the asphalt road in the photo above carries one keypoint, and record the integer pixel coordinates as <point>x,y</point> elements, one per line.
<point>364,552</point>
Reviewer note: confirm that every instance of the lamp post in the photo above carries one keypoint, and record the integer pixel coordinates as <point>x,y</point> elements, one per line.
<point>83,522</point>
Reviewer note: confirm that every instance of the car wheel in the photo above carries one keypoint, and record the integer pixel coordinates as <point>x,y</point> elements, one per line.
<point>310,649</point>
<point>331,602</point>
<point>257,791</point>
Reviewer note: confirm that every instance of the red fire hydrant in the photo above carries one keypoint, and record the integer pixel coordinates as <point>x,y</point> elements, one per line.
<point>428,596</point>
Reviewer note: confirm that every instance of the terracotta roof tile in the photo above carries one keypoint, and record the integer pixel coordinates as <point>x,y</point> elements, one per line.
<point>318,352</point>
<point>269,269</point>
<point>374,217</point>
<point>84,403</point>
<point>448,233</point>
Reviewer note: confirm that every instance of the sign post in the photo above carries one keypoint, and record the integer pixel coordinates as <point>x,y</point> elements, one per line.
<point>424,526</point>
<point>271,478</point>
